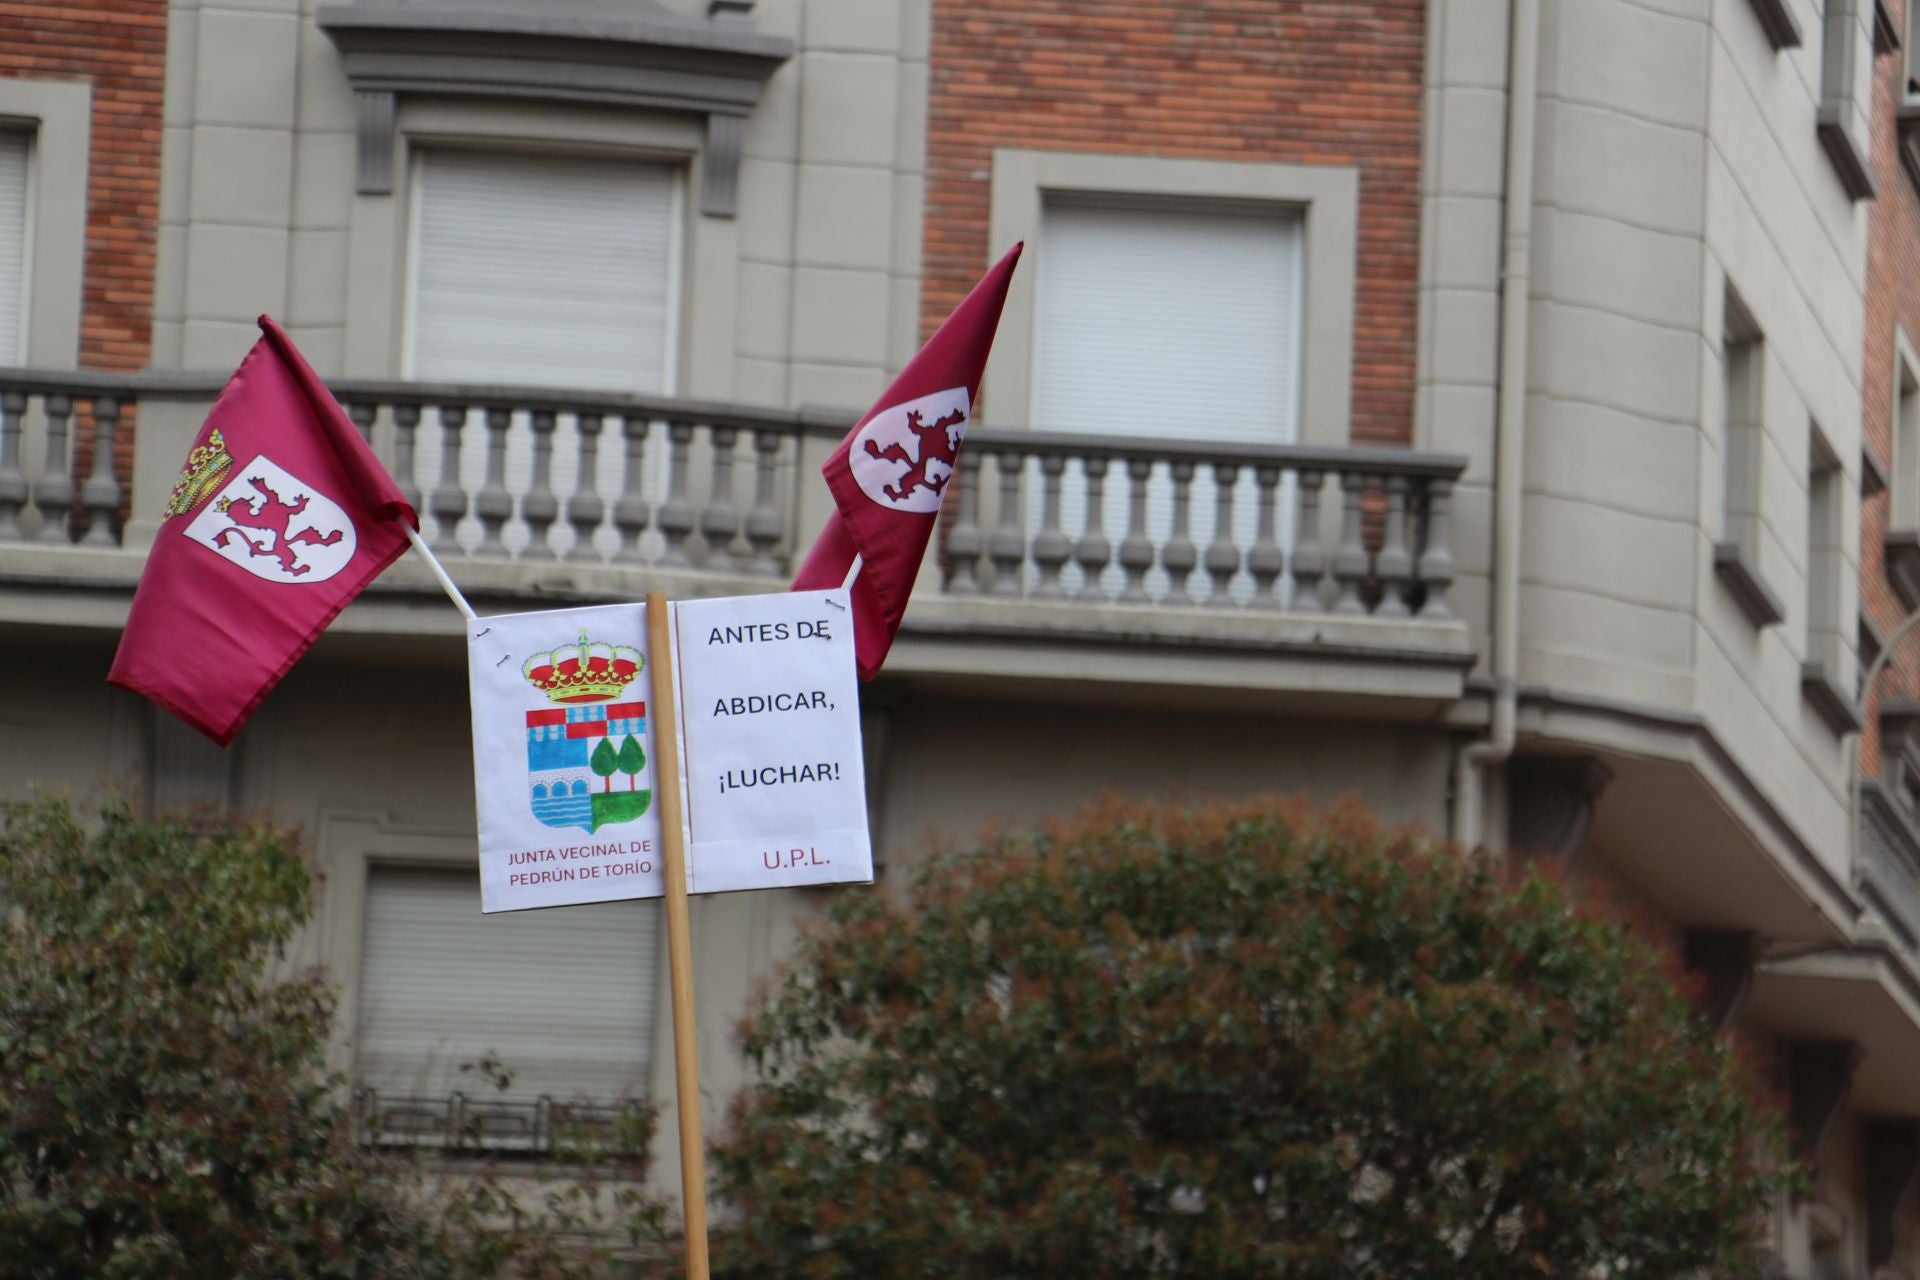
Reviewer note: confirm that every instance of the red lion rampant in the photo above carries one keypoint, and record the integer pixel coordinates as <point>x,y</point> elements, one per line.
<point>269,514</point>
<point>936,445</point>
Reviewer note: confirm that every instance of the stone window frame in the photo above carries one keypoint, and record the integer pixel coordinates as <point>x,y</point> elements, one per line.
<point>1736,555</point>
<point>1847,50</point>
<point>1900,548</point>
<point>58,116</point>
<point>1327,196</point>
<point>380,227</point>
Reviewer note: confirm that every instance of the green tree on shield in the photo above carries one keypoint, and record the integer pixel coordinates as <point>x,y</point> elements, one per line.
<point>632,760</point>
<point>605,762</point>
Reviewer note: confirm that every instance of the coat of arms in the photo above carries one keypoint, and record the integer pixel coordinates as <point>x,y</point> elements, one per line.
<point>586,750</point>
<point>262,517</point>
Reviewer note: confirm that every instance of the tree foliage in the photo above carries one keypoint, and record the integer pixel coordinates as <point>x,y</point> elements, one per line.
<point>164,1111</point>
<point>1232,1043</point>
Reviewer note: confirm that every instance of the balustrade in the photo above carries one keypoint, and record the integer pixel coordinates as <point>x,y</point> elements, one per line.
<point>586,479</point>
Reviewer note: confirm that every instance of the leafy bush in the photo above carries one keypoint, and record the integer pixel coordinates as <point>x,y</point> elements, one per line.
<point>164,1111</point>
<point>1226,1043</point>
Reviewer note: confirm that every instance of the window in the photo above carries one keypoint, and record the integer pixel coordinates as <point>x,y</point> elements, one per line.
<point>1905,481</point>
<point>1167,322</point>
<point>13,246</point>
<point>551,271</point>
<point>1736,557</point>
<point>561,1000</point>
<point>1846,92</point>
<point>1825,556</point>
<point>1913,53</point>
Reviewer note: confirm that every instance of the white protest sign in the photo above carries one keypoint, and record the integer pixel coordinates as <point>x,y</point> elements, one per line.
<point>776,787</point>
<point>562,758</point>
<point>770,750</point>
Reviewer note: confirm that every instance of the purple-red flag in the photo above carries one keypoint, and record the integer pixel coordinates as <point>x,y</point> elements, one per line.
<point>889,474</point>
<point>280,517</point>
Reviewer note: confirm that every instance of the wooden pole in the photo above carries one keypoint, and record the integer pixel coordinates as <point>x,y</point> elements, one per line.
<point>686,1067</point>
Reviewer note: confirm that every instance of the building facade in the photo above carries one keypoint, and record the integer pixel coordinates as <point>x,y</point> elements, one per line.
<point>1497,409</point>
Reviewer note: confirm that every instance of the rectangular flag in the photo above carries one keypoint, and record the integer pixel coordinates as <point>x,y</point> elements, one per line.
<point>890,473</point>
<point>280,517</point>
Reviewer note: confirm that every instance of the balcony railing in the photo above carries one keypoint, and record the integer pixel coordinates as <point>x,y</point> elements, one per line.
<point>1889,870</point>
<point>581,481</point>
<point>454,1122</point>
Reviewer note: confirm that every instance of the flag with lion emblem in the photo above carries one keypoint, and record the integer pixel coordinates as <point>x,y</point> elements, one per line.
<point>281,515</point>
<point>890,473</point>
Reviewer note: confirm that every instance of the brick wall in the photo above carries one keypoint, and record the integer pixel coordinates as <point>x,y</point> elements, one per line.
<point>1893,297</point>
<point>1243,80</point>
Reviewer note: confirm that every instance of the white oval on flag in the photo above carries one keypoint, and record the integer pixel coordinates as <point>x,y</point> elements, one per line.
<point>904,455</point>
<point>275,526</point>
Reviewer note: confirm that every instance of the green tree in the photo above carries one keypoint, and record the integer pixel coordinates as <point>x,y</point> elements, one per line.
<point>605,762</point>
<point>1236,1043</point>
<point>632,760</point>
<point>164,1111</point>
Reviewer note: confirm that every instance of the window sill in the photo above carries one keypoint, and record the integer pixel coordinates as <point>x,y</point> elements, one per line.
<point>1734,567</point>
<point>1827,697</point>
<point>1856,178</point>
<point>1776,19</point>
<point>1901,552</point>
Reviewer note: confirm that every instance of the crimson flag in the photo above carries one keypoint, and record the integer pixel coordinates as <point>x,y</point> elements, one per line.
<point>281,516</point>
<point>889,474</point>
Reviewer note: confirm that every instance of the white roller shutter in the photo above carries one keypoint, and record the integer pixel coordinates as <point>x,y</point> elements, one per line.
<point>563,999</point>
<point>1155,322</point>
<point>553,271</point>
<point>13,246</point>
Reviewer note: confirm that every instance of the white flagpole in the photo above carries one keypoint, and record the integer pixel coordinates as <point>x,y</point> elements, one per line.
<point>439,571</point>
<point>853,571</point>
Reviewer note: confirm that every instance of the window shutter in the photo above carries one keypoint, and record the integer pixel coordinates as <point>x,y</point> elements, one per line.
<point>1152,322</point>
<point>544,271</point>
<point>13,246</point>
<point>563,999</point>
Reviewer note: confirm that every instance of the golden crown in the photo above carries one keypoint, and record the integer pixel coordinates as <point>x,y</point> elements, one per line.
<point>206,470</point>
<point>591,671</point>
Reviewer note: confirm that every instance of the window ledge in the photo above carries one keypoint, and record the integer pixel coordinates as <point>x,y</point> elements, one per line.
<point>1776,19</point>
<point>1873,473</point>
<point>1902,556</point>
<point>1827,697</point>
<point>1855,176</point>
<point>1734,567</point>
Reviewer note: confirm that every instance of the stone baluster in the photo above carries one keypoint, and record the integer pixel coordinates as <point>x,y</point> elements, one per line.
<point>1050,545</point>
<point>630,510</point>
<point>1007,548</point>
<point>100,495</point>
<point>1093,551</point>
<point>964,541</point>
<point>1309,559</point>
<point>1436,559</point>
<point>449,496</point>
<point>1265,559</point>
<point>1180,556</point>
<point>406,423</point>
<point>540,508</point>
<point>721,520</point>
<point>1350,561</point>
<point>585,509</point>
<point>54,494</point>
<point>1136,549</point>
<point>763,522</point>
<point>676,513</point>
<point>1394,564</point>
<point>1223,557</point>
<point>13,481</point>
<point>361,414</point>
<point>493,505</point>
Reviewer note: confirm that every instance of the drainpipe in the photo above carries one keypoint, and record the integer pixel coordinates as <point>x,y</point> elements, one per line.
<point>1472,764</point>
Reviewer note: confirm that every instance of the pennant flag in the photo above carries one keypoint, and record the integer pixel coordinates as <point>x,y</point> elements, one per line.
<point>889,474</point>
<point>280,517</point>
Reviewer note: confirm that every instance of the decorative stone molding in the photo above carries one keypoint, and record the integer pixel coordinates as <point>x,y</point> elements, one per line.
<point>1725,958</point>
<point>1550,802</point>
<point>1776,19</point>
<point>1873,472</point>
<point>1886,36</point>
<point>1819,1079</point>
<point>633,54</point>
<point>1840,76</point>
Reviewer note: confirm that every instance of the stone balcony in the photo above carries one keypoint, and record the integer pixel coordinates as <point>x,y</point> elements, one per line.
<point>1288,572</point>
